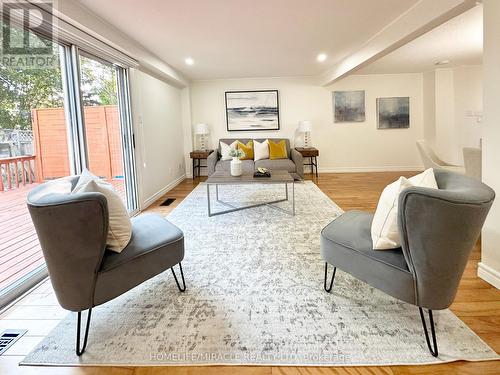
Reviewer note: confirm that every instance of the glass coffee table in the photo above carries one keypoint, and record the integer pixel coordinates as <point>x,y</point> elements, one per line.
<point>223,178</point>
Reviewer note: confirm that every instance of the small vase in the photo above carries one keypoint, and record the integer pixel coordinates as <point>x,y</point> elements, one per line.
<point>236,167</point>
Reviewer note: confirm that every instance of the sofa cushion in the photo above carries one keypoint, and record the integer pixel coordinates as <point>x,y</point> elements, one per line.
<point>261,150</point>
<point>245,140</point>
<point>276,165</point>
<point>277,150</point>
<point>225,149</point>
<point>247,166</point>
<point>247,149</point>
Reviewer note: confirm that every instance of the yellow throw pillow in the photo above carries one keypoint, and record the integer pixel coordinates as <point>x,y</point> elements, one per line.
<point>277,150</point>
<point>247,149</point>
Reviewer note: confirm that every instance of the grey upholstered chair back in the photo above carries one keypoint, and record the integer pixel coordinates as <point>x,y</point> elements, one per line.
<point>245,140</point>
<point>72,229</point>
<point>439,228</point>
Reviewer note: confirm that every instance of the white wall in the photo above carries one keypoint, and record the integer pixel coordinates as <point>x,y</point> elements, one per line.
<point>489,268</point>
<point>157,118</point>
<point>429,100</point>
<point>445,142</point>
<point>468,98</point>
<point>449,126</point>
<point>343,146</point>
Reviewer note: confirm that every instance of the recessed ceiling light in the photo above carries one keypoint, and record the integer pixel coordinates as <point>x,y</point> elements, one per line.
<point>189,61</point>
<point>321,57</point>
<point>442,62</point>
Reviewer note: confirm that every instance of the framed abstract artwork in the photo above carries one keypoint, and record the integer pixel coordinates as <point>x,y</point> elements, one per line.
<point>252,110</point>
<point>393,113</point>
<point>349,106</point>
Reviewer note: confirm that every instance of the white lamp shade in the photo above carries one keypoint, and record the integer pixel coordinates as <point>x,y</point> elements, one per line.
<point>201,129</point>
<point>305,126</point>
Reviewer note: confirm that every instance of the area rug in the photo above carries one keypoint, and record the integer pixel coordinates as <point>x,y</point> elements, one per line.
<point>255,297</point>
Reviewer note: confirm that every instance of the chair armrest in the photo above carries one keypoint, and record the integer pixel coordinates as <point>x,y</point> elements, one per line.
<point>212,160</point>
<point>299,162</point>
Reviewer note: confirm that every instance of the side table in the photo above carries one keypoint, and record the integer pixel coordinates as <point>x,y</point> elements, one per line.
<point>311,153</point>
<point>198,156</point>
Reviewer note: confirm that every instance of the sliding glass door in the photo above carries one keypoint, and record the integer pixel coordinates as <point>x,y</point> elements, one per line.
<point>34,147</point>
<point>106,125</point>
<point>55,120</point>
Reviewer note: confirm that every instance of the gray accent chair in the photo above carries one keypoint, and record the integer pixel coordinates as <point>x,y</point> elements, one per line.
<point>293,164</point>
<point>439,228</point>
<point>72,229</point>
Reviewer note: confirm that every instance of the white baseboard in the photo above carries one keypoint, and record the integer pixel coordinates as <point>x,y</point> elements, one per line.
<point>148,202</point>
<point>413,168</point>
<point>488,274</point>
<point>368,169</point>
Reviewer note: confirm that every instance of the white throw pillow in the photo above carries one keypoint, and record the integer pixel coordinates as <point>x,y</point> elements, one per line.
<point>120,226</point>
<point>425,179</point>
<point>225,149</point>
<point>385,231</point>
<point>85,178</point>
<point>260,150</point>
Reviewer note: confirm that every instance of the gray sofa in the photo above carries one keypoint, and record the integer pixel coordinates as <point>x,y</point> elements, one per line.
<point>293,164</point>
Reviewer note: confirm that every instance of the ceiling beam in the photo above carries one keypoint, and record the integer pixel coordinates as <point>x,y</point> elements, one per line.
<point>418,20</point>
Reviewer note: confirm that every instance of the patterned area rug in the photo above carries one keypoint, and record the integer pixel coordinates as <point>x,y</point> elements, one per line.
<point>255,296</point>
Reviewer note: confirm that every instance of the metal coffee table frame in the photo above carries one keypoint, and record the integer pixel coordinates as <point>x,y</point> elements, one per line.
<point>229,180</point>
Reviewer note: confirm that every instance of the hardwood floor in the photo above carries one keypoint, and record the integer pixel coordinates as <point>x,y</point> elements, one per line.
<point>477,303</point>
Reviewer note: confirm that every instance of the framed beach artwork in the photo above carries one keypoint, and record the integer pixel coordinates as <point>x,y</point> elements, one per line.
<point>393,113</point>
<point>349,106</point>
<point>252,110</point>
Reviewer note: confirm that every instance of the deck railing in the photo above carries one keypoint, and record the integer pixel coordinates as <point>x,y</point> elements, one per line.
<point>16,170</point>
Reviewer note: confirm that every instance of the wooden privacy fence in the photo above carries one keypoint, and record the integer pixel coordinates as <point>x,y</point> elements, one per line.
<point>103,138</point>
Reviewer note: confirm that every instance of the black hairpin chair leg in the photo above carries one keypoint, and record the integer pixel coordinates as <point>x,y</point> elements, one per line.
<point>328,289</point>
<point>183,289</point>
<point>433,349</point>
<point>80,351</point>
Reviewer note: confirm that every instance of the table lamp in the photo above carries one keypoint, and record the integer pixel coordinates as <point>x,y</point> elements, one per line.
<point>305,127</point>
<point>202,131</point>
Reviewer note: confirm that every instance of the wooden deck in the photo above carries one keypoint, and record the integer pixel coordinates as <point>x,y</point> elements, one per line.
<point>20,251</point>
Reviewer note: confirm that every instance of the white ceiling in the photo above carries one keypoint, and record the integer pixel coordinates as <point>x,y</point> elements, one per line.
<point>249,38</point>
<point>460,40</point>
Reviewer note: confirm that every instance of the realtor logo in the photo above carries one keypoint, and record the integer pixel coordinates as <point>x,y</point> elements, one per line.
<point>27,35</point>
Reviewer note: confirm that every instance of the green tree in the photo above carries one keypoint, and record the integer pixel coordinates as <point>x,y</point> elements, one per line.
<point>22,90</point>
<point>98,82</point>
